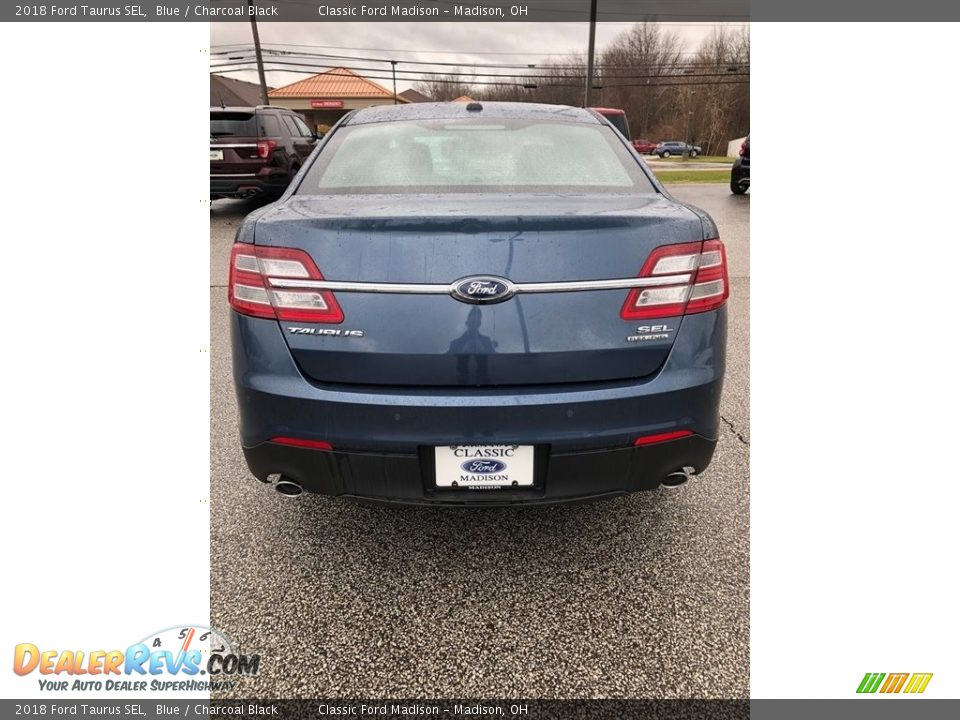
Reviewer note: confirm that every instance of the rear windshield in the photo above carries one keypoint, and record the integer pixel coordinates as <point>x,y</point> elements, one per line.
<point>235,124</point>
<point>460,156</point>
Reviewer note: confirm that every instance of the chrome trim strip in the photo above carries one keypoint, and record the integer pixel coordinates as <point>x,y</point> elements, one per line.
<point>362,287</point>
<point>436,289</point>
<point>582,285</point>
<point>232,145</point>
<point>233,175</point>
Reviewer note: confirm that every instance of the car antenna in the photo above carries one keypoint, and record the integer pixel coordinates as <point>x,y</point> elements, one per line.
<point>223,105</point>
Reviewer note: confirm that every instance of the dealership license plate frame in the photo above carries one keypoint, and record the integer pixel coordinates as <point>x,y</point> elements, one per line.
<point>216,154</point>
<point>449,473</point>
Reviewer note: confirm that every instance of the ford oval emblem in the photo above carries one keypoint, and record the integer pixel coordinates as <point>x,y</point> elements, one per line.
<point>483,467</point>
<point>482,289</point>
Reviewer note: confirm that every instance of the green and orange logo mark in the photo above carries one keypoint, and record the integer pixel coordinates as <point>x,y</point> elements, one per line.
<point>894,682</point>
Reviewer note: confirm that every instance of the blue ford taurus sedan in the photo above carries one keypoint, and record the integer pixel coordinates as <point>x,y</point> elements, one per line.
<point>477,304</point>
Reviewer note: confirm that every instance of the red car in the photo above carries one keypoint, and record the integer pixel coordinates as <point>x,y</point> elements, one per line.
<point>617,117</point>
<point>644,147</point>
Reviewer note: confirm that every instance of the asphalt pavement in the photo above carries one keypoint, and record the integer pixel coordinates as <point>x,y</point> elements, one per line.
<point>642,596</point>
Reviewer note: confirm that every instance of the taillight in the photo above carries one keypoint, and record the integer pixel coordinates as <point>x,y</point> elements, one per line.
<point>743,147</point>
<point>252,267</point>
<point>265,147</point>
<point>694,279</point>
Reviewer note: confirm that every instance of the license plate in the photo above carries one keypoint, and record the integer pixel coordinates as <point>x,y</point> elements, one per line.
<point>474,467</point>
<point>216,154</point>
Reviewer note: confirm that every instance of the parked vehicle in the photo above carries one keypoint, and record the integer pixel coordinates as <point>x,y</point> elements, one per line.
<point>617,117</point>
<point>256,150</point>
<point>536,322</point>
<point>645,147</point>
<point>740,172</point>
<point>676,147</point>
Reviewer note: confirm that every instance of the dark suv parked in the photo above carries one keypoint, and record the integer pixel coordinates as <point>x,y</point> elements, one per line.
<point>740,173</point>
<point>256,150</point>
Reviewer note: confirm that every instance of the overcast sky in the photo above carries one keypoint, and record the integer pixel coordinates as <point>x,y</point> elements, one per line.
<point>465,43</point>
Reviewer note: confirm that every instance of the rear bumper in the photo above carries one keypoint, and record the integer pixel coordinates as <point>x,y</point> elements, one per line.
<point>383,437</point>
<point>409,479</point>
<point>248,184</point>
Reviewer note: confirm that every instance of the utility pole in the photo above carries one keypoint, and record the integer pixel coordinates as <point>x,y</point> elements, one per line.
<point>590,49</point>
<point>393,66</point>
<point>686,129</point>
<point>264,100</point>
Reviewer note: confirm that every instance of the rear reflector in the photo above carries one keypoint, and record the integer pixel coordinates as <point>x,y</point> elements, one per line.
<point>694,280</point>
<point>297,442</point>
<point>265,148</point>
<point>661,437</point>
<point>252,267</point>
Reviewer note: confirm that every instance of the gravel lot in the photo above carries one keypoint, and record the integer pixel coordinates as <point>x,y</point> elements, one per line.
<point>644,596</point>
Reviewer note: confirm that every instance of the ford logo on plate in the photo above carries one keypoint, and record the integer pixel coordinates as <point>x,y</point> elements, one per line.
<point>483,289</point>
<point>483,467</point>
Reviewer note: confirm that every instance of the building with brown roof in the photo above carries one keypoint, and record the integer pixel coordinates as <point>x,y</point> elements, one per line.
<point>414,96</point>
<point>230,92</point>
<point>326,97</point>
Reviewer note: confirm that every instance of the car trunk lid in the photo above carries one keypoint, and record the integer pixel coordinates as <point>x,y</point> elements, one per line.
<point>398,338</point>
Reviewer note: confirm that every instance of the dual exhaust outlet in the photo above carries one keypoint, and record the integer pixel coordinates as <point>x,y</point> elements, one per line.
<point>290,488</point>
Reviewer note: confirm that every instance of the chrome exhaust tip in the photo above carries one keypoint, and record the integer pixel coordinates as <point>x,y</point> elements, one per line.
<point>675,479</point>
<point>288,488</point>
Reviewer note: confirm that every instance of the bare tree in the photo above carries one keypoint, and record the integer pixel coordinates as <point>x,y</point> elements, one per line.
<point>445,87</point>
<point>721,109</point>
<point>632,69</point>
<point>559,82</point>
<point>704,99</point>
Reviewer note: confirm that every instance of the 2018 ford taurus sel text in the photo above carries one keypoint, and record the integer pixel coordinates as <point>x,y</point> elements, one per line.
<point>477,304</point>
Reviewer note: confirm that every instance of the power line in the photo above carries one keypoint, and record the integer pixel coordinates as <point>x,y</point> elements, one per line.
<point>531,76</point>
<point>239,55</point>
<point>691,82</point>
<point>229,48</point>
<point>448,52</point>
